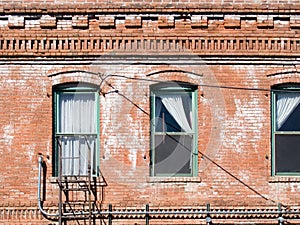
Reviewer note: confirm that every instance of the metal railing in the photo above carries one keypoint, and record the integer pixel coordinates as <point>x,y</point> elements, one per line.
<point>148,214</point>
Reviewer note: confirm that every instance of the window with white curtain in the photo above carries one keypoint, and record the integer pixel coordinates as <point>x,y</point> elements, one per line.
<point>174,129</point>
<point>286,130</point>
<point>76,130</point>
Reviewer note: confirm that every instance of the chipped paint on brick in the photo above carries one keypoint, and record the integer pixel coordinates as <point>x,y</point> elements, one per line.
<point>8,135</point>
<point>30,150</point>
<point>248,122</point>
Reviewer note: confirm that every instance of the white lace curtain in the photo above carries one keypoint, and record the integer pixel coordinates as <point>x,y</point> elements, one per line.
<point>77,116</point>
<point>176,107</point>
<point>286,103</point>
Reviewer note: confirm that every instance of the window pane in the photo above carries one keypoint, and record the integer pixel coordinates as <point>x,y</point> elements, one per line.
<point>287,153</point>
<point>293,121</point>
<point>173,113</point>
<point>173,154</point>
<point>163,119</point>
<point>76,153</point>
<point>77,113</point>
<point>288,111</point>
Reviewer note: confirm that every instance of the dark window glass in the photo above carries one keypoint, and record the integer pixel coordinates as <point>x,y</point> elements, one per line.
<point>165,122</point>
<point>173,154</point>
<point>293,121</point>
<point>287,153</point>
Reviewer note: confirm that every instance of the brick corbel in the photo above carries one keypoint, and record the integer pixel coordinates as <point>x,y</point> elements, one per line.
<point>107,21</point>
<point>166,21</point>
<point>232,21</point>
<point>199,21</point>
<point>47,21</point>
<point>295,21</point>
<point>80,22</point>
<point>265,22</point>
<point>133,21</point>
<point>16,22</point>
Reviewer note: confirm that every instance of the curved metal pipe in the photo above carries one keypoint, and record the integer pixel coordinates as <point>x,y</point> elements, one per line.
<point>39,192</point>
<point>46,214</point>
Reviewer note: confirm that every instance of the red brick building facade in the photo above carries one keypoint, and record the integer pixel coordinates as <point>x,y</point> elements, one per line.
<point>149,112</point>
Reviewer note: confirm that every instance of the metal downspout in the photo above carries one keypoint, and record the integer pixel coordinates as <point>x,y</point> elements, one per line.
<point>39,192</point>
<point>46,214</point>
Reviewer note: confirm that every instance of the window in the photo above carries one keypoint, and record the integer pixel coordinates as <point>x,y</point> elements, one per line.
<point>76,130</point>
<point>286,130</point>
<point>174,129</point>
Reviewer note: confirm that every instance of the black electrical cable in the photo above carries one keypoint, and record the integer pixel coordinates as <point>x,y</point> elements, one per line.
<point>203,155</point>
<point>104,79</point>
<point>199,85</point>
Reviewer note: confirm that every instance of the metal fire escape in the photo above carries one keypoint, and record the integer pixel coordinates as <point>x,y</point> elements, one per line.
<point>77,191</point>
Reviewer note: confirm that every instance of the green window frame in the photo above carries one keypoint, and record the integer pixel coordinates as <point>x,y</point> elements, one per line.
<point>286,130</point>
<point>76,135</point>
<point>174,134</point>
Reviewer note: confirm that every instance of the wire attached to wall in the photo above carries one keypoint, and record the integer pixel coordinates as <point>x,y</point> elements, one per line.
<point>104,79</point>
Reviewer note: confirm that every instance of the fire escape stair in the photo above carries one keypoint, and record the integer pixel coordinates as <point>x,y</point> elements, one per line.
<point>78,195</point>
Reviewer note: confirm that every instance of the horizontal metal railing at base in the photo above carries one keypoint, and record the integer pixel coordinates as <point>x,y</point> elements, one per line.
<point>147,214</point>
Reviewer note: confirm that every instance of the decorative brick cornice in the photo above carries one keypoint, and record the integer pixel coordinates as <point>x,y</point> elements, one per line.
<point>138,6</point>
<point>97,45</point>
<point>159,20</point>
<point>220,34</point>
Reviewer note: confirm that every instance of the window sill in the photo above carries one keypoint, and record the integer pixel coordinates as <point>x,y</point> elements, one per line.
<point>174,179</point>
<point>53,180</point>
<point>97,180</point>
<point>284,179</point>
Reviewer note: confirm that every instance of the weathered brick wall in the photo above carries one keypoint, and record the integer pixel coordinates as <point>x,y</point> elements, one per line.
<point>234,53</point>
<point>234,130</point>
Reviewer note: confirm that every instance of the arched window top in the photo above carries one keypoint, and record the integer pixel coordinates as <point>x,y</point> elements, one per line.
<point>287,86</point>
<point>76,86</point>
<point>173,86</point>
